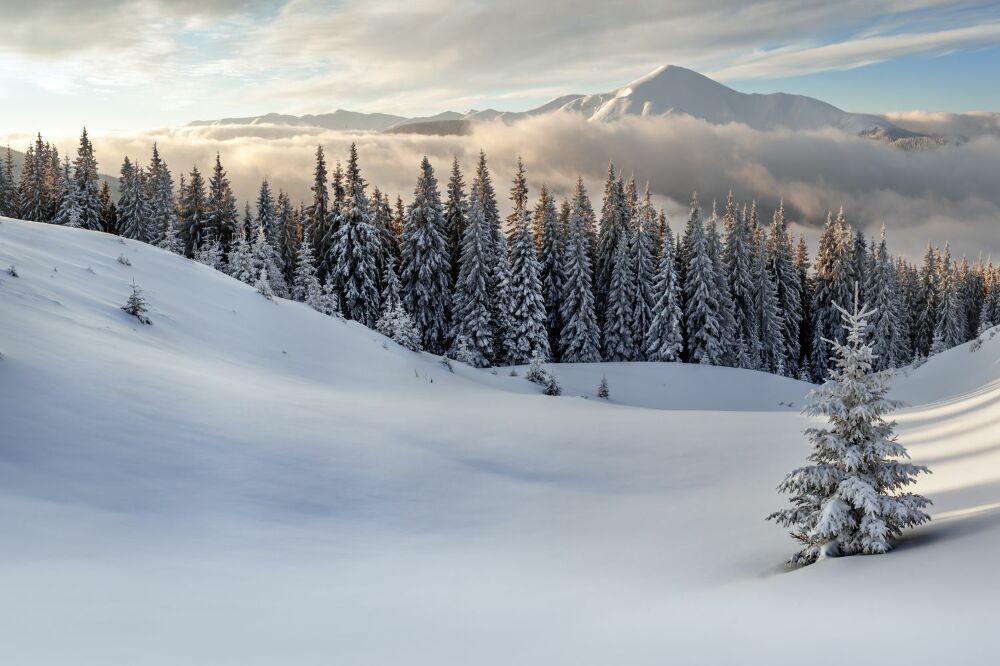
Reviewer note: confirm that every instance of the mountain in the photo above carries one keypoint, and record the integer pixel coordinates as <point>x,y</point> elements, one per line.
<point>665,91</point>
<point>251,482</point>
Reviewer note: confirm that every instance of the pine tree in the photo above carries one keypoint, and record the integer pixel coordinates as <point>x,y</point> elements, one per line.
<point>472,327</point>
<point>832,284</point>
<point>136,305</point>
<point>619,343</point>
<point>769,322</point>
<point>801,263</point>
<point>326,262</point>
<point>549,240</point>
<point>263,285</point>
<point>664,340</point>
<point>210,251</point>
<point>330,301</point>
<point>781,263</point>
<point>499,277</point>
<point>580,336</point>
<point>109,211</point>
<point>455,217</point>
<point>193,212</point>
<point>287,243</point>
<point>849,500</point>
<point>642,255</point>
<point>133,209</point>
<point>881,295</point>
<point>613,226</point>
<point>381,216</point>
<point>356,250</point>
<point>927,302</point>
<point>990,313</point>
<point>316,218</point>
<point>68,213</point>
<point>160,195</point>
<point>221,215</point>
<point>425,271</point>
<point>264,260</point>
<point>725,317</point>
<point>267,213</point>
<point>602,389</point>
<point>950,328</point>
<point>9,206</point>
<point>306,287</point>
<point>702,304</point>
<point>240,263</point>
<point>739,263</point>
<point>85,184</point>
<point>529,336</point>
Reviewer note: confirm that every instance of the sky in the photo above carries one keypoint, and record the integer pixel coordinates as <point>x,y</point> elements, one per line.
<point>132,64</point>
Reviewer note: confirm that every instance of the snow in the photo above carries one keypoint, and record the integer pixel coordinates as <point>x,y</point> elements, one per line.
<point>250,482</point>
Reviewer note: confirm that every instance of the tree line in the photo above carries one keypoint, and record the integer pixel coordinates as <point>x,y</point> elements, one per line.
<point>555,280</point>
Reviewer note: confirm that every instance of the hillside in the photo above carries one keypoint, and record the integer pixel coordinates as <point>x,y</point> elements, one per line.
<point>250,482</point>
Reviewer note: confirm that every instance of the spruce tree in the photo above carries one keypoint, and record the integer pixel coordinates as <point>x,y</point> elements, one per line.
<point>832,284</point>
<point>85,184</point>
<point>31,191</point>
<point>726,318</point>
<point>927,303</point>
<point>306,287</point>
<point>109,211</point>
<point>702,303</point>
<point>221,215</point>
<point>801,263</point>
<point>664,340</point>
<point>9,206</point>
<point>643,236</point>
<point>210,251</point>
<point>265,261</point>
<point>455,217</point>
<point>528,335</point>
<point>950,327</point>
<point>160,195</point>
<point>580,337</point>
<point>618,340</point>
<point>769,322</point>
<point>133,209</point>
<point>549,238</point>
<point>781,263</point>
<point>355,250</point>
<point>193,211</point>
<point>850,499</point>
<point>68,213</point>
<point>472,327</point>
<point>289,231</point>
<point>881,294</point>
<point>316,218</point>
<point>425,269</point>
<point>613,227</point>
<point>240,261</point>
<point>739,261</point>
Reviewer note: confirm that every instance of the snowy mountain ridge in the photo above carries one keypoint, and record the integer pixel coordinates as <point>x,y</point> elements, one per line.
<point>666,90</point>
<point>251,482</point>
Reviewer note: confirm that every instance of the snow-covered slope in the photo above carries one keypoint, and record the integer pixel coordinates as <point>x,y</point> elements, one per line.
<point>247,482</point>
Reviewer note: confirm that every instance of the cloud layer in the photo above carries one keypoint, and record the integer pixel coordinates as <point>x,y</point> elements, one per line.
<point>947,194</point>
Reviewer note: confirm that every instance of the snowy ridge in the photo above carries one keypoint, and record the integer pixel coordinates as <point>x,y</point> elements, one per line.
<point>248,482</point>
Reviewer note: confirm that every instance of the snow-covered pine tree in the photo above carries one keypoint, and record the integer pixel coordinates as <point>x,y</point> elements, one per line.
<point>739,262</point>
<point>85,184</point>
<point>881,295</point>
<point>927,303</point>
<point>618,339</point>
<point>549,239</point>
<point>725,318</point>
<point>801,263</point>
<point>305,286</point>
<point>381,216</point>
<point>397,325</point>
<point>171,241</point>
<point>769,322</point>
<point>193,206</point>
<point>642,253</point>
<point>832,284</point>
<point>210,251</point>
<point>221,214</point>
<point>267,213</point>
<point>950,329</point>
<point>136,305</point>
<point>32,194</point>
<point>580,337</point>
<point>527,313</point>
<point>472,328</point>
<point>9,206</point>
<point>425,269</point>
<point>68,214</point>
<point>455,216</point>
<point>614,225</point>
<point>356,250</point>
<point>109,211</point>
<point>602,389</point>
<point>781,263</point>
<point>850,499</point>
<point>289,238</point>
<point>263,285</point>
<point>160,195</point>
<point>330,302</point>
<point>664,340</point>
<point>315,222</point>
<point>264,259</point>
<point>133,209</point>
<point>702,304</point>
<point>990,313</point>
<point>240,262</point>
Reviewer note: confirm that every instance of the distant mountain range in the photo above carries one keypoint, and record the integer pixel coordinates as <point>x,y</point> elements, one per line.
<point>664,91</point>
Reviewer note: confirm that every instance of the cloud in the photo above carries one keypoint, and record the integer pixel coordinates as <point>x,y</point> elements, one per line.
<point>967,125</point>
<point>945,194</point>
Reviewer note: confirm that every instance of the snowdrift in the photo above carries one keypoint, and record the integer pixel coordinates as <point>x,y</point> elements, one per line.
<point>248,482</point>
